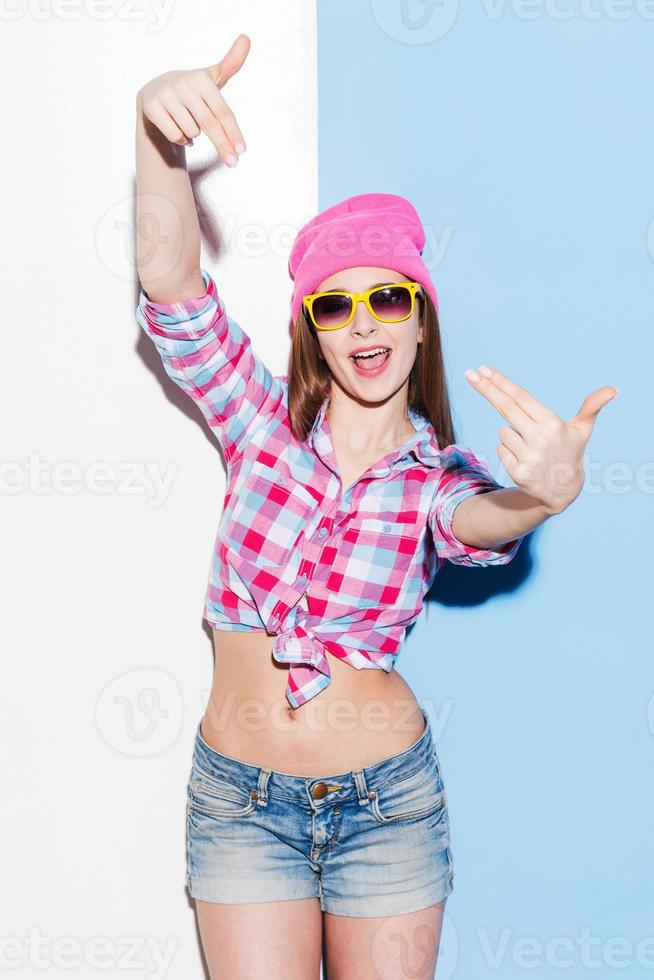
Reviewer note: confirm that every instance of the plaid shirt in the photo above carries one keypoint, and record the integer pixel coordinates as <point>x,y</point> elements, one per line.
<point>321,567</point>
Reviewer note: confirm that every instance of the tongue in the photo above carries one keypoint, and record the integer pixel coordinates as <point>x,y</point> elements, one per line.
<point>367,363</point>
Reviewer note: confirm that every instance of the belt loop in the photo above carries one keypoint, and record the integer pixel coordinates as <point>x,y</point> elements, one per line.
<point>362,789</point>
<point>262,786</point>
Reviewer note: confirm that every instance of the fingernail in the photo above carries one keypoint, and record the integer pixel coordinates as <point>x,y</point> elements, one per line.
<point>189,142</point>
<point>472,375</point>
<point>617,391</point>
<point>231,160</point>
<point>486,371</point>
<point>239,147</point>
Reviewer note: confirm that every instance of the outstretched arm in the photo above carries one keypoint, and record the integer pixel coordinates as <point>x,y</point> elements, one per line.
<point>492,519</point>
<point>541,452</point>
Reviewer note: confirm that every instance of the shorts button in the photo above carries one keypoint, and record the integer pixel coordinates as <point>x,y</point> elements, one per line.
<point>320,790</point>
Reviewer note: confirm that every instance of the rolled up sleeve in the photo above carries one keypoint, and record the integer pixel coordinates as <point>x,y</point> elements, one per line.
<point>463,475</point>
<point>210,357</point>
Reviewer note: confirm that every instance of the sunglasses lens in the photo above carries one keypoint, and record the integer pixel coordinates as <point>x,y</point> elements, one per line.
<point>391,302</point>
<point>331,311</point>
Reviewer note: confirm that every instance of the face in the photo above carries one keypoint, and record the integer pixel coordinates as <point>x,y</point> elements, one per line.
<point>377,378</point>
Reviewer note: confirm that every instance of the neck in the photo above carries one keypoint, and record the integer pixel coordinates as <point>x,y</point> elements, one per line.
<point>369,427</point>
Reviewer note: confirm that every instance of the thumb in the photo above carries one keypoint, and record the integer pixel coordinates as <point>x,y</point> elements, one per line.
<point>586,417</point>
<point>230,64</point>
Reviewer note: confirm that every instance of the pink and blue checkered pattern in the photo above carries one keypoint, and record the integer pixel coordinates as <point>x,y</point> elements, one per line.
<point>362,556</point>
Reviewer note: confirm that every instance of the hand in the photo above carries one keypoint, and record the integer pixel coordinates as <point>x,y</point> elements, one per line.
<point>542,453</point>
<point>181,104</point>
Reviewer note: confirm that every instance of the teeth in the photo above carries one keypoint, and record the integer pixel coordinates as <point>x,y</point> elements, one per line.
<point>372,353</point>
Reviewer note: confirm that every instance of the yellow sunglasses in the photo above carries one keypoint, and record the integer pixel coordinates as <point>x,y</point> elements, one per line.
<point>389,303</point>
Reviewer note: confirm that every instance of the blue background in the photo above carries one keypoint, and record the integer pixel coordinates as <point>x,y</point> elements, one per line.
<point>526,145</point>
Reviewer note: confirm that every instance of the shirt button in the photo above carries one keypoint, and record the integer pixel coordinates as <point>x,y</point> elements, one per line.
<point>387,527</point>
<point>322,532</point>
<point>302,580</point>
<point>282,481</point>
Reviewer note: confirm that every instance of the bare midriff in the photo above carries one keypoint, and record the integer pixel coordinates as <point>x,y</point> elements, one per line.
<point>361,717</point>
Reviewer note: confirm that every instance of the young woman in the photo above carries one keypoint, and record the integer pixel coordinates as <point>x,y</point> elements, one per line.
<point>317,808</point>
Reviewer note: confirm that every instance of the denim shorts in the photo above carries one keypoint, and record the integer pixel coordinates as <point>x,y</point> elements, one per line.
<point>373,841</point>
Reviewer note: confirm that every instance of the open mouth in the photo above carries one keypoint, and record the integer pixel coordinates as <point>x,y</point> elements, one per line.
<point>372,360</point>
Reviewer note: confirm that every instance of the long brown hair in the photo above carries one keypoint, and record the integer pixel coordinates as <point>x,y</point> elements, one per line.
<point>309,377</point>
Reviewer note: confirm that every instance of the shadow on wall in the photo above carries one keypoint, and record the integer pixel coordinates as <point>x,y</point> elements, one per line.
<point>462,585</point>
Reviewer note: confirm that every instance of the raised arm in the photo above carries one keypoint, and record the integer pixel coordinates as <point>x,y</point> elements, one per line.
<point>202,348</point>
<point>170,110</point>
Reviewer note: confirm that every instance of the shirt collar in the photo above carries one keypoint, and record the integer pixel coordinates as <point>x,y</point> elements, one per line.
<point>422,443</point>
<point>426,446</point>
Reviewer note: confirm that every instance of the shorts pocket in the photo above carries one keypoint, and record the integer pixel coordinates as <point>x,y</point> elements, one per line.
<point>218,796</point>
<point>409,798</point>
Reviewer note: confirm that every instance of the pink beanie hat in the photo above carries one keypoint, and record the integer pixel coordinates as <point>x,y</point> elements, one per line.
<point>381,230</point>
